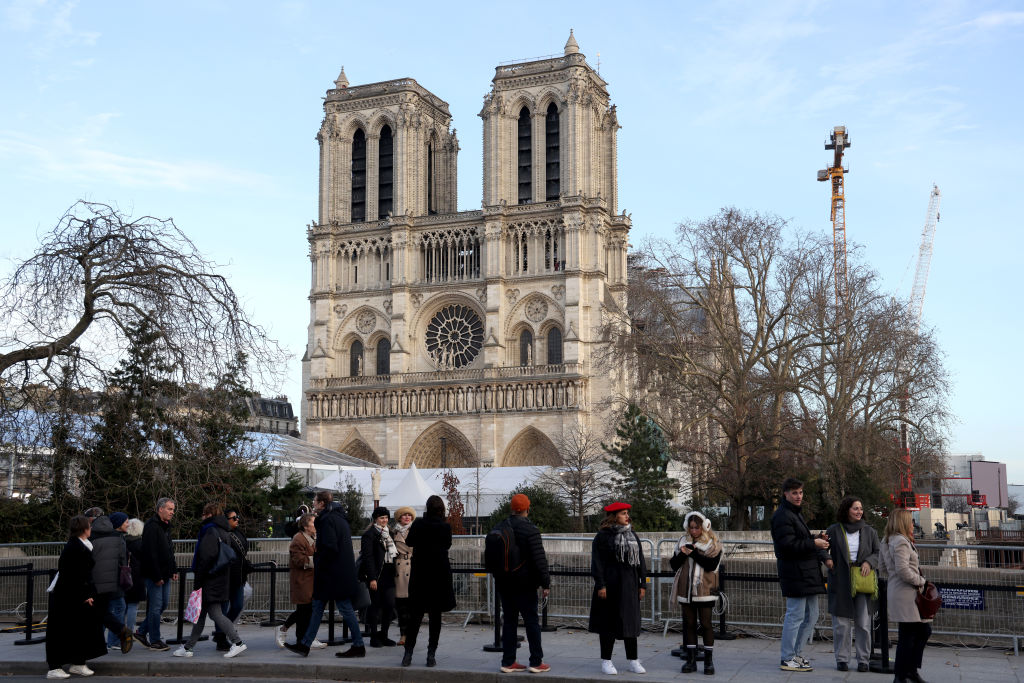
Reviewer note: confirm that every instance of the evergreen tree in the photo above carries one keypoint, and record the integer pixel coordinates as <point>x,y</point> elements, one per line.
<point>639,458</point>
<point>547,511</point>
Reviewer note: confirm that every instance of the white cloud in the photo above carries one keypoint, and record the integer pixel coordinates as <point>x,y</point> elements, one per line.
<point>76,159</point>
<point>991,20</point>
<point>51,23</point>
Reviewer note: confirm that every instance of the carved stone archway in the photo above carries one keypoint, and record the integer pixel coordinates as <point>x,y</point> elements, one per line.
<point>530,447</point>
<point>426,450</point>
<point>357,448</point>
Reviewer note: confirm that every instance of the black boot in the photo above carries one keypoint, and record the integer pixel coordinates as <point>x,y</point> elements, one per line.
<point>382,636</point>
<point>354,651</point>
<point>407,658</point>
<point>709,666</point>
<point>691,660</point>
<point>430,656</point>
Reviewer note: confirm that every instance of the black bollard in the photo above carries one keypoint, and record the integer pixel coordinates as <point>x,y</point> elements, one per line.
<point>496,645</point>
<point>882,665</point>
<point>723,633</point>
<point>30,606</point>
<point>331,640</point>
<point>544,627</point>
<point>272,619</point>
<point>182,602</point>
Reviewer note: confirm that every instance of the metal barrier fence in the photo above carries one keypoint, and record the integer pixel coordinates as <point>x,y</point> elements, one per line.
<point>982,585</point>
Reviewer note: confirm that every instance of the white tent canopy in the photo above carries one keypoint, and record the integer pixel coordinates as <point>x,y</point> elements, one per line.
<point>482,489</point>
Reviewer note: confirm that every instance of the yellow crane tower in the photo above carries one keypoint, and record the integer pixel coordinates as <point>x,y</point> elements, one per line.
<point>839,140</point>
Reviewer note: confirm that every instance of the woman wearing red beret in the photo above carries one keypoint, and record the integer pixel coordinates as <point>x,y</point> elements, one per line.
<point>619,571</point>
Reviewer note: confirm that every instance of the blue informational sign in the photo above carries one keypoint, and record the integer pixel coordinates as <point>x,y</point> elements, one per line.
<point>962,598</point>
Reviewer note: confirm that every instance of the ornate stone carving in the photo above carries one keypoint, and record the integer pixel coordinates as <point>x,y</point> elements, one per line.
<point>512,295</point>
<point>558,291</point>
<point>536,309</point>
<point>415,299</point>
<point>366,321</point>
<point>481,294</point>
<point>387,306</point>
<point>340,310</point>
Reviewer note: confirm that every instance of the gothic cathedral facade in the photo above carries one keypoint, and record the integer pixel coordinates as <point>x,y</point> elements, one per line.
<point>449,338</point>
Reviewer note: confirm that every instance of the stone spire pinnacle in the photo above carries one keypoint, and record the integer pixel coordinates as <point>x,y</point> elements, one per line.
<point>571,46</point>
<point>341,81</point>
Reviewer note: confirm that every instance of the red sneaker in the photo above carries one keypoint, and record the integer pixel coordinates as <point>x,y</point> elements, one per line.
<point>512,668</point>
<point>540,668</point>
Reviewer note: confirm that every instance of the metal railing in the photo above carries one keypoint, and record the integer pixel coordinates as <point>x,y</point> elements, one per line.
<point>981,584</point>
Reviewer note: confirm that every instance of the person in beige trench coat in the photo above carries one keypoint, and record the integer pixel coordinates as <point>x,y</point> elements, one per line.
<point>900,561</point>
<point>404,517</point>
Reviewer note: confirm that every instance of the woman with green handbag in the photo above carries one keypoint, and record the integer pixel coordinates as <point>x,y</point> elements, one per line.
<point>852,582</point>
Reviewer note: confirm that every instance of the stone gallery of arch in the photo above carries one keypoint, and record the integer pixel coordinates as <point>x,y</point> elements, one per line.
<point>449,338</point>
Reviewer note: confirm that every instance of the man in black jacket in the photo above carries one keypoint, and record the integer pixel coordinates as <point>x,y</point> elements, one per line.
<point>799,557</point>
<point>519,592</point>
<point>334,575</point>
<point>158,570</point>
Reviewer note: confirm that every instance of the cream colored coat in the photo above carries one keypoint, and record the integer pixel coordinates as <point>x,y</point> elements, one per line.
<point>403,563</point>
<point>899,559</point>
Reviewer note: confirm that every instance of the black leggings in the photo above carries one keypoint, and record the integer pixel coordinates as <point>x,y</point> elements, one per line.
<point>608,642</point>
<point>300,618</point>
<point>691,611</point>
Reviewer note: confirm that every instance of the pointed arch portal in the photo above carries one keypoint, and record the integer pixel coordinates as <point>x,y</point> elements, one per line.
<point>426,451</point>
<point>530,447</point>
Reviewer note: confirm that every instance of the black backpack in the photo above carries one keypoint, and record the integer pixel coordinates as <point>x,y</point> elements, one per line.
<point>501,552</point>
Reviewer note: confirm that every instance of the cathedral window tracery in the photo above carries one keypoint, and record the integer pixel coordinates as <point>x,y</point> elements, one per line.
<point>552,165</point>
<point>526,348</point>
<point>383,357</point>
<point>554,346</point>
<point>358,176</point>
<point>449,255</point>
<point>525,160</point>
<point>454,337</point>
<point>355,359</point>
<point>385,172</point>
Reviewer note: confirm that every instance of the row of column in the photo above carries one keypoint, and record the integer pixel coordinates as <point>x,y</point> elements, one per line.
<point>448,400</point>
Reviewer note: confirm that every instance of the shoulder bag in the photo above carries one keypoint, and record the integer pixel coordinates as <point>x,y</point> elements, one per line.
<point>928,600</point>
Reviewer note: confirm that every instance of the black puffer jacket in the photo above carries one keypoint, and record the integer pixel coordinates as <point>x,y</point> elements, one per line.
<point>531,552</point>
<point>799,560</point>
<point>109,554</point>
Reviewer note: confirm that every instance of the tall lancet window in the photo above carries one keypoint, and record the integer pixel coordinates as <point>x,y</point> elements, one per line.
<point>525,158</point>
<point>431,207</point>
<point>385,172</point>
<point>383,357</point>
<point>551,164</point>
<point>554,346</point>
<point>358,177</point>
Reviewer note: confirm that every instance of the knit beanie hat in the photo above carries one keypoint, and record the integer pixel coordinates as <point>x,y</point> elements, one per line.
<point>117,519</point>
<point>380,512</point>
<point>519,502</point>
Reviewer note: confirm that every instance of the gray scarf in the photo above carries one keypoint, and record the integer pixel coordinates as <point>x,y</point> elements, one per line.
<point>627,550</point>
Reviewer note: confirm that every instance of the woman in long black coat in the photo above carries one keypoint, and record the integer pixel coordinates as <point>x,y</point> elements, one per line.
<point>430,580</point>
<point>377,555</point>
<point>74,629</point>
<point>620,574</point>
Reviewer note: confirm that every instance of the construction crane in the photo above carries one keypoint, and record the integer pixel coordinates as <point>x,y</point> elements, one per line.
<point>904,496</point>
<point>839,140</point>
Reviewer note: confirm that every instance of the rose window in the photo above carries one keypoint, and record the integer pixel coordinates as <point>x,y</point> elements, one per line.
<point>454,337</point>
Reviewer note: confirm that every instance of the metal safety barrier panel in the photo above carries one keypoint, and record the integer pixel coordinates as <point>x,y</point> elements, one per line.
<point>982,585</point>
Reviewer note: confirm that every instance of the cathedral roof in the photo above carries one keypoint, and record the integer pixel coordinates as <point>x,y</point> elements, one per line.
<point>571,46</point>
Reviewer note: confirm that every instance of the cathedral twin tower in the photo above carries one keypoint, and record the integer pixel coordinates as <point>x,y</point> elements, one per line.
<point>445,337</point>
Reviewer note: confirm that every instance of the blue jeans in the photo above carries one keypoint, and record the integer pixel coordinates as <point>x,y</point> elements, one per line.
<point>798,626</point>
<point>157,599</point>
<point>131,614</point>
<point>517,601</point>
<point>116,607</point>
<point>348,615</point>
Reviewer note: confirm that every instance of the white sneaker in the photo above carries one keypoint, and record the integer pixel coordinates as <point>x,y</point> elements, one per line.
<point>282,636</point>
<point>634,666</point>
<point>81,670</point>
<point>608,668</point>
<point>182,652</point>
<point>236,649</point>
<point>317,645</point>
<point>57,673</point>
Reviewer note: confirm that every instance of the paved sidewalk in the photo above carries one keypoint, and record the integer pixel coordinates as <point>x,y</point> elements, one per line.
<point>572,654</point>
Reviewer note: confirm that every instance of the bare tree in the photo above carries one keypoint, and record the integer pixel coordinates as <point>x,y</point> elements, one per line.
<point>97,272</point>
<point>578,479</point>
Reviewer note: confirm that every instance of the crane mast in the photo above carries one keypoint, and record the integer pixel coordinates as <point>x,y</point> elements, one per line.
<point>904,496</point>
<point>839,140</point>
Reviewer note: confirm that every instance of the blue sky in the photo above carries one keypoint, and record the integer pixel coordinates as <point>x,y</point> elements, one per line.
<point>207,112</point>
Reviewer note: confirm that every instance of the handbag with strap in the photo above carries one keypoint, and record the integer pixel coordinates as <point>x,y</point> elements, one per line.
<point>928,600</point>
<point>225,556</point>
<point>124,577</point>
<point>858,582</point>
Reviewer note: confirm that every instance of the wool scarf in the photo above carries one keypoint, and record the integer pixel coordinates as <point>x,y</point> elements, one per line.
<point>390,551</point>
<point>627,550</point>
